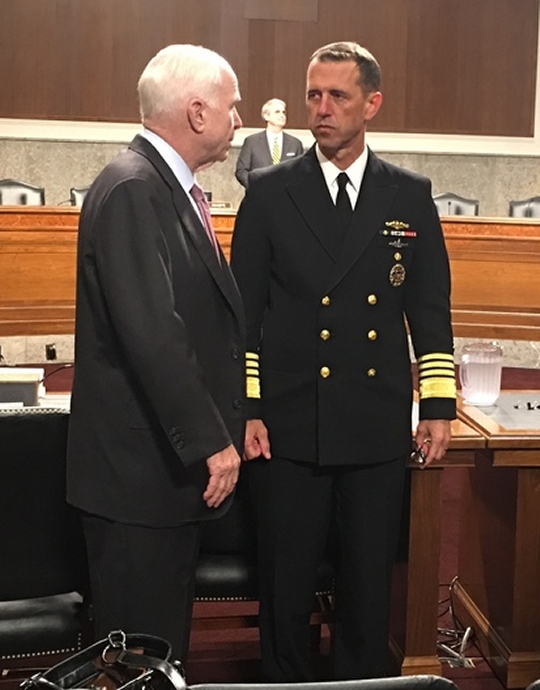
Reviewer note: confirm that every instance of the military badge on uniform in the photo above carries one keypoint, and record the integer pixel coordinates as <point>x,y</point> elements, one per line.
<point>397,228</point>
<point>397,275</point>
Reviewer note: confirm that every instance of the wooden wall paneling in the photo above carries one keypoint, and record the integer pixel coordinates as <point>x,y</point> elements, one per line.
<point>282,10</point>
<point>450,66</point>
<point>260,77</point>
<point>431,100</point>
<point>117,41</point>
<point>483,30</point>
<point>462,53</point>
<point>234,41</point>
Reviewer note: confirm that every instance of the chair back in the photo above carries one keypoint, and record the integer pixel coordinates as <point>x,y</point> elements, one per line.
<point>43,578</point>
<point>77,195</point>
<point>526,208</point>
<point>15,193</point>
<point>227,564</point>
<point>450,204</point>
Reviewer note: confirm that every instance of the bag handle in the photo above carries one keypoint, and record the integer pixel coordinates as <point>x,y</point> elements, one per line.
<point>116,644</point>
<point>143,661</point>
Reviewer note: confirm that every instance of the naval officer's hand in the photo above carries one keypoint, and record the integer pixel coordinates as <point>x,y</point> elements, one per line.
<point>432,437</point>
<point>256,441</point>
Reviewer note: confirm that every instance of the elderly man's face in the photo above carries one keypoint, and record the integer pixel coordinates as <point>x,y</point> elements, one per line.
<point>223,119</point>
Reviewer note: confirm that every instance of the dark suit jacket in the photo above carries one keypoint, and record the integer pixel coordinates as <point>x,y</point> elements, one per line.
<point>334,363</point>
<point>255,153</point>
<point>160,331</point>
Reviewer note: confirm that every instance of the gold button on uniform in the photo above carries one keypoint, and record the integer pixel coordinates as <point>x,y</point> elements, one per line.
<point>324,372</point>
<point>372,299</point>
<point>325,301</point>
<point>397,256</point>
<point>325,334</point>
<point>372,335</point>
<point>372,372</point>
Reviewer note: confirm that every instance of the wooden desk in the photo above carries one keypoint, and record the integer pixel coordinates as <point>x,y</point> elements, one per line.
<point>38,246</point>
<point>494,263</point>
<point>495,277</point>
<point>415,595</point>
<point>498,588</point>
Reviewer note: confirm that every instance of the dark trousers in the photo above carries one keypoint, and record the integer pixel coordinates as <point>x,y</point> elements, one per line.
<point>142,579</point>
<point>297,505</point>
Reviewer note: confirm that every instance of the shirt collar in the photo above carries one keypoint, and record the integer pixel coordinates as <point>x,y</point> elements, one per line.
<point>173,159</point>
<point>271,136</point>
<point>355,171</point>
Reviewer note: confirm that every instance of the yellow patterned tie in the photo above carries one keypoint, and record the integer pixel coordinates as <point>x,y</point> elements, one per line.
<point>275,152</point>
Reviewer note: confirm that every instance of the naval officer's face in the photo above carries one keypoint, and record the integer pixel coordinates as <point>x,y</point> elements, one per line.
<point>338,109</point>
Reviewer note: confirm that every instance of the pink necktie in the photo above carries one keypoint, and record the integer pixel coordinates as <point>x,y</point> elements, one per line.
<point>204,209</point>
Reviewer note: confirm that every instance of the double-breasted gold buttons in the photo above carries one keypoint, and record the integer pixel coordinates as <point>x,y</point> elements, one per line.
<point>372,335</point>
<point>324,334</point>
<point>371,372</point>
<point>324,372</point>
<point>372,299</point>
<point>325,301</point>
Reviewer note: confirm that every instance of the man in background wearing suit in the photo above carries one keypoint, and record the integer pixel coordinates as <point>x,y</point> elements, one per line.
<point>333,252</point>
<point>269,147</point>
<point>156,416</point>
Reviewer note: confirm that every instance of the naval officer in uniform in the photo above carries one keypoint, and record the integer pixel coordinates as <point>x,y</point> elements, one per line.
<point>337,254</point>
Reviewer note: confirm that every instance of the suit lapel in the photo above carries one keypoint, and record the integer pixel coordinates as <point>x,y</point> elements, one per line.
<point>376,194</point>
<point>219,270</point>
<point>191,223</point>
<point>310,195</point>
<point>264,149</point>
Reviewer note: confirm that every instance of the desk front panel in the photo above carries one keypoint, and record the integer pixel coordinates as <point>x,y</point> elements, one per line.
<point>494,263</point>
<point>498,588</point>
<point>415,591</point>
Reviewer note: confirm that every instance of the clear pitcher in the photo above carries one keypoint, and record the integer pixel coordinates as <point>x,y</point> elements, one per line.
<point>480,373</point>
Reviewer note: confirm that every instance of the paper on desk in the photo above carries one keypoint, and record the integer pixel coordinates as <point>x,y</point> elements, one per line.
<point>519,410</point>
<point>11,405</point>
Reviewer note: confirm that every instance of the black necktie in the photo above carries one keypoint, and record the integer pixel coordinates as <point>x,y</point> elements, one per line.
<point>343,202</point>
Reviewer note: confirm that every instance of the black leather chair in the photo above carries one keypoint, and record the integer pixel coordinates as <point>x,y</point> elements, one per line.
<point>227,570</point>
<point>77,195</point>
<point>450,204</point>
<point>418,682</point>
<point>526,208</point>
<point>44,612</point>
<point>13,192</point>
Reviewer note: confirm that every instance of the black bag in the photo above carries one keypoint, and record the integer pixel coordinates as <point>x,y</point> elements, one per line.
<point>119,662</point>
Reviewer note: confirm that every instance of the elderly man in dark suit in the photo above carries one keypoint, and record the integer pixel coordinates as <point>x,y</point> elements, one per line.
<point>156,416</point>
<point>337,255</point>
<point>269,147</point>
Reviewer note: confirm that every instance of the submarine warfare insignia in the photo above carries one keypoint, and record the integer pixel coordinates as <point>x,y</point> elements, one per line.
<point>397,275</point>
<point>397,224</point>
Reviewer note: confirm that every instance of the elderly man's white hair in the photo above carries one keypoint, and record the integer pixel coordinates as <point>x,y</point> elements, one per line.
<point>178,73</point>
